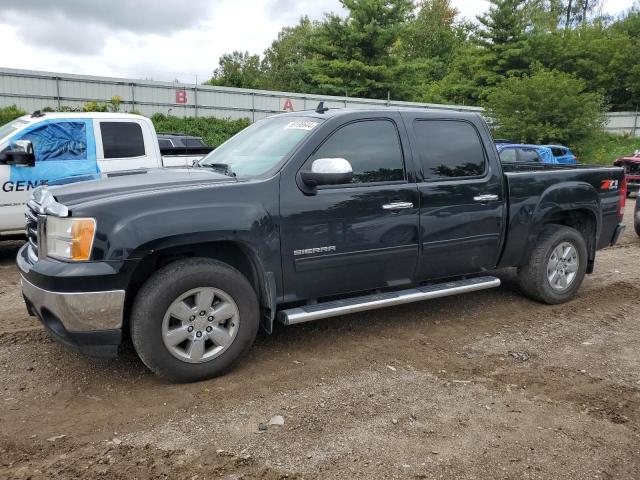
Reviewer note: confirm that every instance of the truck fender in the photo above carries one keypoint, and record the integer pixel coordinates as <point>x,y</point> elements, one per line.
<point>565,203</point>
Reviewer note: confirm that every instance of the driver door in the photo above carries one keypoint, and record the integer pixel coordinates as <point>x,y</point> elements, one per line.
<point>358,236</point>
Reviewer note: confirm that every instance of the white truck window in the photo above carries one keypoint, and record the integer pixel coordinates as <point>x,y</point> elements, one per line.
<point>122,140</point>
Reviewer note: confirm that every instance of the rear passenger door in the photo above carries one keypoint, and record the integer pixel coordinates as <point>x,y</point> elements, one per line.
<point>461,197</point>
<point>123,145</point>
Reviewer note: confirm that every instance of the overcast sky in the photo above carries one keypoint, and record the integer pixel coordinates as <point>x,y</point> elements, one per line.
<point>158,39</point>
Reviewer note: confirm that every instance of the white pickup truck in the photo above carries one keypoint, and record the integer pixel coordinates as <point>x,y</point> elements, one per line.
<point>74,144</point>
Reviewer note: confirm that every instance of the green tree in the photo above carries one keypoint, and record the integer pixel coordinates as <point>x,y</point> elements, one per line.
<point>503,37</point>
<point>545,107</point>
<point>238,69</point>
<point>358,54</point>
<point>284,61</point>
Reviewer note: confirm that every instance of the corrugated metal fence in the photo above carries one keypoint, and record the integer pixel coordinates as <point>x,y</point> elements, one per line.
<point>34,90</point>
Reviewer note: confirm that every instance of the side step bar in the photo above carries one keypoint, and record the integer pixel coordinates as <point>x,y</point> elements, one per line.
<point>308,313</point>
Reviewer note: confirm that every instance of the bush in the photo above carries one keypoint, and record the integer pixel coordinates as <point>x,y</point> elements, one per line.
<point>10,113</point>
<point>603,148</point>
<point>546,107</point>
<point>213,131</point>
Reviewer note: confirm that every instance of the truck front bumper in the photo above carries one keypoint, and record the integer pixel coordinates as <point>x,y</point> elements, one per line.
<point>87,321</point>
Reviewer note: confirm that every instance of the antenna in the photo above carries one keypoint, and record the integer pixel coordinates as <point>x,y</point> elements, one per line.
<point>321,108</point>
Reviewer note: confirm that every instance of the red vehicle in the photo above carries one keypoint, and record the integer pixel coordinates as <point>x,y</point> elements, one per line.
<point>631,166</point>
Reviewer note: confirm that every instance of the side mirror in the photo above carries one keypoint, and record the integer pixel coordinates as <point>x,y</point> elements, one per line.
<point>19,152</point>
<point>328,171</point>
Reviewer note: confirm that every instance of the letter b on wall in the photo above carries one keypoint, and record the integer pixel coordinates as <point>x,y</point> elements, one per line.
<point>181,96</point>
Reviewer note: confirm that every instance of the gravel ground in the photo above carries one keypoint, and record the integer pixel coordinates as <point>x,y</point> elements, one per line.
<point>485,385</point>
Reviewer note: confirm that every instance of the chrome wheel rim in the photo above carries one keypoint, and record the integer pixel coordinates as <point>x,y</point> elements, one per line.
<point>562,267</point>
<point>200,325</point>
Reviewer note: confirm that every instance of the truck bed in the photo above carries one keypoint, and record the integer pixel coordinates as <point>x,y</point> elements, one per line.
<point>536,191</point>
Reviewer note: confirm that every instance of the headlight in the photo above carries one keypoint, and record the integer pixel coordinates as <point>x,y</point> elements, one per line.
<point>70,238</point>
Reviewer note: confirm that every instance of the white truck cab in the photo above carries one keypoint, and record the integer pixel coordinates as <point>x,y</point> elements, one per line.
<point>74,144</point>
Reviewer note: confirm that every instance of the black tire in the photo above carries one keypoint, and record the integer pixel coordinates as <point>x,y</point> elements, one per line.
<point>636,222</point>
<point>533,278</point>
<point>168,284</point>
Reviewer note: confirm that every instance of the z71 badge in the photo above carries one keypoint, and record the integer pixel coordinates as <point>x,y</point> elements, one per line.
<point>308,251</point>
<point>609,185</point>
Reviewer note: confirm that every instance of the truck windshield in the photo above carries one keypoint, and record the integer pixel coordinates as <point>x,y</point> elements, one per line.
<point>9,128</point>
<point>261,146</point>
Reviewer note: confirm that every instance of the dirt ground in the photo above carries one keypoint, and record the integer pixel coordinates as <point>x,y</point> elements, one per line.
<point>485,385</point>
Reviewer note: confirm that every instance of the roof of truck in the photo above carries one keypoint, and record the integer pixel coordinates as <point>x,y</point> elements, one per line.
<point>336,112</point>
<point>51,115</point>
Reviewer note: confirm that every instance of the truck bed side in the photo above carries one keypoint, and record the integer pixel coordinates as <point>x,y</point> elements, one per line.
<point>584,197</point>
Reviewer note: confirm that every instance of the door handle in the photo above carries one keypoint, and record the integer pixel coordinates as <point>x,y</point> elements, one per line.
<point>397,206</point>
<point>485,198</point>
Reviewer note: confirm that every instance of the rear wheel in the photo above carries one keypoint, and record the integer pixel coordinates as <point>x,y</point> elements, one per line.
<point>556,266</point>
<point>193,319</point>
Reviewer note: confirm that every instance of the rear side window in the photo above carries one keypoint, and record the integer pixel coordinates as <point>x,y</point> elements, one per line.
<point>122,139</point>
<point>558,152</point>
<point>372,147</point>
<point>449,149</point>
<point>508,155</point>
<point>528,155</point>
<point>193,142</point>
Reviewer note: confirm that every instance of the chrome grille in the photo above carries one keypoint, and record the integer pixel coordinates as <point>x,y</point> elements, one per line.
<point>33,219</point>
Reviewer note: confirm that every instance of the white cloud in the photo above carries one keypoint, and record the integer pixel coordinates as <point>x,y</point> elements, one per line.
<point>159,39</point>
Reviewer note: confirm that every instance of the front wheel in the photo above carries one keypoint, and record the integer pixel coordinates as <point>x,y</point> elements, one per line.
<point>193,319</point>
<point>556,267</point>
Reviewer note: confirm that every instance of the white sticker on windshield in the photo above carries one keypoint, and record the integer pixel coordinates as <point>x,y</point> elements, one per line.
<point>301,125</point>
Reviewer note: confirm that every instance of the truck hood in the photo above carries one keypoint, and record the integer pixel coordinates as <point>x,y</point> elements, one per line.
<point>75,190</point>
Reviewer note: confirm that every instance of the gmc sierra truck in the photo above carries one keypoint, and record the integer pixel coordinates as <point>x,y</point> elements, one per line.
<point>299,217</point>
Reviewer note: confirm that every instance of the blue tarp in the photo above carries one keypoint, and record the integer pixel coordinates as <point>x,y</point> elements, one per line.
<point>63,148</point>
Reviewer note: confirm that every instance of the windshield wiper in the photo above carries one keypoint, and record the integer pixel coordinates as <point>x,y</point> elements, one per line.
<point>223,168</point>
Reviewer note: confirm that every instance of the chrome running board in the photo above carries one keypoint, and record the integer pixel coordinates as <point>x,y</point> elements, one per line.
<point>308,313</point>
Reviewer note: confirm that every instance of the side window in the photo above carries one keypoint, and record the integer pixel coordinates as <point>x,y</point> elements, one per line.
<point>164,143</point>
<point>372,147</point>
<point>59,141</point>
<point>122,139</point>
<point>528,155</point>
<point>508,155</point>
<point>193,142</point>
<point>557,152</point>
<point>449,148</point>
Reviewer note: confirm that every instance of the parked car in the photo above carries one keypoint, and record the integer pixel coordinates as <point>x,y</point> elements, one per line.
<point>631,165</point>
<point>562,154</point>
<point>524,153</point>
<point>75,144</point>
<point>299,217</point>
<point>636,216</point>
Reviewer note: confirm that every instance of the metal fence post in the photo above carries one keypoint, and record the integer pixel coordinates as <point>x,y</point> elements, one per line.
<point>635,124</point>
<point>133,96</point>
<point>58,92</point>
<point>253,107</point>
<point>195,99</point>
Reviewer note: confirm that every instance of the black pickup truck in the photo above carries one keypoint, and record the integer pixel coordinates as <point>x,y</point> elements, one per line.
<point>299,217</point>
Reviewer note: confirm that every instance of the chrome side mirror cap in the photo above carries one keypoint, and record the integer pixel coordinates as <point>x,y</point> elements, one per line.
<point>328,171</point>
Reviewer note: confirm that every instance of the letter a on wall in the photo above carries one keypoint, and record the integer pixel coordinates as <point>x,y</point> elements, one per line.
<point>288,105</point>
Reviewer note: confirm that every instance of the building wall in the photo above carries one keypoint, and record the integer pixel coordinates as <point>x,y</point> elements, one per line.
<point>34,90</point>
